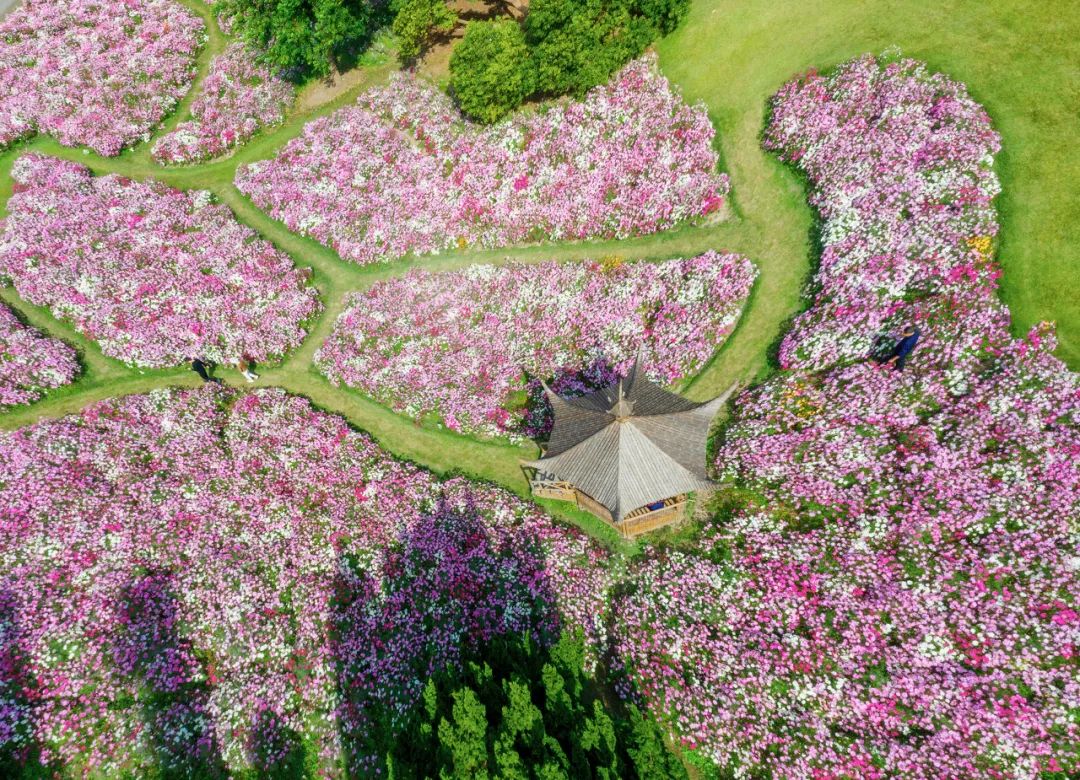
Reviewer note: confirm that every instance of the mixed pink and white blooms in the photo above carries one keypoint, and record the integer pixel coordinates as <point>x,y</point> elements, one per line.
<point>902,166</point>
<point>458,344</point>
<point>153,274</point>
<point>99,74</point>
<point>237,99</point>
<point>30,362</point>
<point>895,591</point>
<point>402,172</point>
<point>202,578</point>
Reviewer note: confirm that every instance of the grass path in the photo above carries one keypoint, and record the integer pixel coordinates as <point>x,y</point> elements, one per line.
<point>731,55</point>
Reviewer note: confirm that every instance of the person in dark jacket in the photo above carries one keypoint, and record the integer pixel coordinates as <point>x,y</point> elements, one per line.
<point>899,355</point>
<point>198,365</point>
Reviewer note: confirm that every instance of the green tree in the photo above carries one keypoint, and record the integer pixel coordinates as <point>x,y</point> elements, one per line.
<point>578,45</point>
<point>462,737</point>
<point>491,70</point>
<point>521,711</point>
<point>303,37</point>
<point>416,20</point>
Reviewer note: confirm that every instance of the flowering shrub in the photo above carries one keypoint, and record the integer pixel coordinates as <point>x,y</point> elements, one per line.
<point>238,98</point>
<point>401,171</point>
<point>155,275</point>
<point>247,575</point>
<point>894,589</point>
<point>30,361</point>
<point>459,343</point>
<point>94,73</point>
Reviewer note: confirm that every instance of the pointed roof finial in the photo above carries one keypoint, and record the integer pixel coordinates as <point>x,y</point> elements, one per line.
<point>623,407</point>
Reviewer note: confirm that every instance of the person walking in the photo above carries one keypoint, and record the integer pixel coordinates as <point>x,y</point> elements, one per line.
<point>199,366</point>
<point>899,355</point>
<point>244,367</point>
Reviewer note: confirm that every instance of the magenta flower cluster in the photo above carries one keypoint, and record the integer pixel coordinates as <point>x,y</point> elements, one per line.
<point>154,275</point>
<point>30,362</point>
<point>402,172</point>
<point>458,344</point>
<point>99,74</point>
<point>894,590</point>
<point>238,98</point>
<point>198,576</point>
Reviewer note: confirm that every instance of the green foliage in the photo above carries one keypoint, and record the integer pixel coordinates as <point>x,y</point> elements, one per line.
<point>491,70</point>
<point>578,45</point>
<point>520,711</point>
<point>303,37</point>
<point>416,20</point>
<point>568,47</point>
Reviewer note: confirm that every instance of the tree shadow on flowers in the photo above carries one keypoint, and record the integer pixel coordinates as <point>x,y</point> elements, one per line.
<point>179,735</point>
<point>448,589</point>
<point>20,753</point>
<point>276,751</point>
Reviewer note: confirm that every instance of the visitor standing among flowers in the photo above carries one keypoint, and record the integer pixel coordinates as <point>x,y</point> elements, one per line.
<point>904,347</point>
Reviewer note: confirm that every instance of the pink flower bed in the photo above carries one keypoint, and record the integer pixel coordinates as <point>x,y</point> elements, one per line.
<point>155,275</point>
<point>202,578</point>
<point>100,74</point>
<point>238,98</point>
<point>901,164</point>
<point>894,590</point>
<point>458,344</point>
<point>30,362</point>
<point>401,171</point>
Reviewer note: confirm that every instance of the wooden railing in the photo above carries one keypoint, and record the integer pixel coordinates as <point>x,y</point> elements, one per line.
<point>643,520</point>
<point>591,505</point>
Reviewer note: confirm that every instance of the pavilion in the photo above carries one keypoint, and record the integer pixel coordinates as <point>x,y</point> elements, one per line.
<point>630,453</point>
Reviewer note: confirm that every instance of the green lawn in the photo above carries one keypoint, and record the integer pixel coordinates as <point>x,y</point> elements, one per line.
<point>732,55</point>
<point>1021,60</point>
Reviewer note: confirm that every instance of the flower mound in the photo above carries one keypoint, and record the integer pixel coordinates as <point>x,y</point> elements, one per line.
<point>100,74</point>
<point>401,171</point>
<point>896,587</point>
<point>458,344</point>
<point>238,98</point>
<point>155,275</point>
<point>242,573</point>
<point>30,361</point>
<point>901,163</point>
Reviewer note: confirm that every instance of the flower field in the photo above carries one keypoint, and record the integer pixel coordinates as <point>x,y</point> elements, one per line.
<point>99,74</point>
<point>30,361</point>
<point>458,344</point>
<point>901,162</point>
<point>401,172</point>
<point>238,98</point>
<point>191,577</point>
<point>203,582</point>
<point>154,275</point>
<point>894,591</point>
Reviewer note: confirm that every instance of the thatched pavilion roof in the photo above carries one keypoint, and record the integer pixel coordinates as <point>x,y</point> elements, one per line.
<point>630,444</point>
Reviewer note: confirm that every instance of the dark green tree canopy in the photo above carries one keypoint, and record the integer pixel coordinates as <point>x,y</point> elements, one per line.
<point>568,47</point>
<point>520,711</point>
<point>305,37</point>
